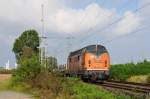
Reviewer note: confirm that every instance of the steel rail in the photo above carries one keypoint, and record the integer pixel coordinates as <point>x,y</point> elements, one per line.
<point>134,87</point>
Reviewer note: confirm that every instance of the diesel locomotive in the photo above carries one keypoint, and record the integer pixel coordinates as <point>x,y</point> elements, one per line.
<point>90,63</point>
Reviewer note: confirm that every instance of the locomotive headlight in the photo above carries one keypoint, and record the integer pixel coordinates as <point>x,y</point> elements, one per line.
<point>92,56</point>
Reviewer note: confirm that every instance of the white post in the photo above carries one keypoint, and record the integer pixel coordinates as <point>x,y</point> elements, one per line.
<point>16,65</point>
<point>7,67</point>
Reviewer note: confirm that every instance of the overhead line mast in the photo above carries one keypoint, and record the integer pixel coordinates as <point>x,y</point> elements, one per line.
<point>42,19</point>
<point>42,37</point>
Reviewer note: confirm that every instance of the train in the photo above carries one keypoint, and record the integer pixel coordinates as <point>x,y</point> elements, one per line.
<point>89,63</point>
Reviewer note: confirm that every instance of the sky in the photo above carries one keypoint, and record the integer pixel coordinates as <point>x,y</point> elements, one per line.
<point>122,26</point>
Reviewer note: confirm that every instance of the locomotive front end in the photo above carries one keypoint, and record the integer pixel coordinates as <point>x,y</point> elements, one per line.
<point>97,63</point>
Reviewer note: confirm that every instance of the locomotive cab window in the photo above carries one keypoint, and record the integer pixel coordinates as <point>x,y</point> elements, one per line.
<point>78,58</point>
<point>69,59</point>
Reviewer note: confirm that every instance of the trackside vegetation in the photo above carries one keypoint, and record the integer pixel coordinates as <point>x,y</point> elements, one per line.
<point>4,71</point>
<point>44,82</point>
<point>53,86</point>
<point>122,72</point>
<point>87,91</point>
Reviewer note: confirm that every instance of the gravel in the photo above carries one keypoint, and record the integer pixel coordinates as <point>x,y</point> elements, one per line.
<point>14,95</point>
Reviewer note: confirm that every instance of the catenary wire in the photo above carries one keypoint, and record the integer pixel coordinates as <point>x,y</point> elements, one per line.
<point>116,21</point>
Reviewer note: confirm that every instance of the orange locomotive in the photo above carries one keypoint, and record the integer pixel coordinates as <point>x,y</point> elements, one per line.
<point>90,63</point>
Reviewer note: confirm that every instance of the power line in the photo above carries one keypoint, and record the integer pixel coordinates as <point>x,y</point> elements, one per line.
<point>99,14</point>
<point>125,35</point>
<point>69,44</point>
<point>116,21</point>
<point>81,22</point>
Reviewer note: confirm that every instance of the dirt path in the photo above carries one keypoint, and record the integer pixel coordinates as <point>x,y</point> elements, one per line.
<point>5,77</point>
<point>11,94</point>
<point>14,95</point>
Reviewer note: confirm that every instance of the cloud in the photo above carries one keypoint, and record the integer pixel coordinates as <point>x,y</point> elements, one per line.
<point>62,19</point>
<point>26,11</point>
<point>68,20</point>
<point>144,13</point>
<point>129,23</point>
<point>95,17</point>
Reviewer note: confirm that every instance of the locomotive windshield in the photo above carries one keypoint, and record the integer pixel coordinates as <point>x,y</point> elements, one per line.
<point>96,49</point>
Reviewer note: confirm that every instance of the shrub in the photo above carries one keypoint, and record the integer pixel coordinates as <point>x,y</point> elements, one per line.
<point>27,70</point>
<point>51,85</point>
<point>124,71</point>
<point>4,71</point>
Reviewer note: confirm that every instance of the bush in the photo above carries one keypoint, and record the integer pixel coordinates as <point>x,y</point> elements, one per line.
<point>51,85</point>
<point>4,71</point>
<point>27,70</point>
<point>124,71</point>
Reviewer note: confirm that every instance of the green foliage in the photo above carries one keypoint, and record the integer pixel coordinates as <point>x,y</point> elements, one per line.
<point>51,63</point>
<point>52,86</point>
<point>5,85</point>
<point>4,71</point>
<point>88,91</point>
<point>124,71</point>
<point>138,79</point>
<point>1,68</point>
<point>27,69</point>
<point>29,39</point>
<point>27,51</point>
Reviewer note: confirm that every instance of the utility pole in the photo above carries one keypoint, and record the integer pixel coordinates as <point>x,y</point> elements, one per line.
<point>42,38</point>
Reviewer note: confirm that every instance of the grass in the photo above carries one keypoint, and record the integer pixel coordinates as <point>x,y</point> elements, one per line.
<point>148,78</point>
<point>138,79</point>
<point>88,91</point>
<point>6,85</point>
<point>122,72</point>
<point>52,86</point>
<point>71,88</point>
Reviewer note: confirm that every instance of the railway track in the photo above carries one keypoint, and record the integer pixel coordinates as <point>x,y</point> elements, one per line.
<point>134,87</point>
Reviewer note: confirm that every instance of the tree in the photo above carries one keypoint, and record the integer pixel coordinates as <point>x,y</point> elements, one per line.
<point>29,40</point>
<point>26,49</point>
<point>51,63</point>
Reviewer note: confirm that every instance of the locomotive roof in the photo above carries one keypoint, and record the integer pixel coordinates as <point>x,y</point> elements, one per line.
<point>88,48</point>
